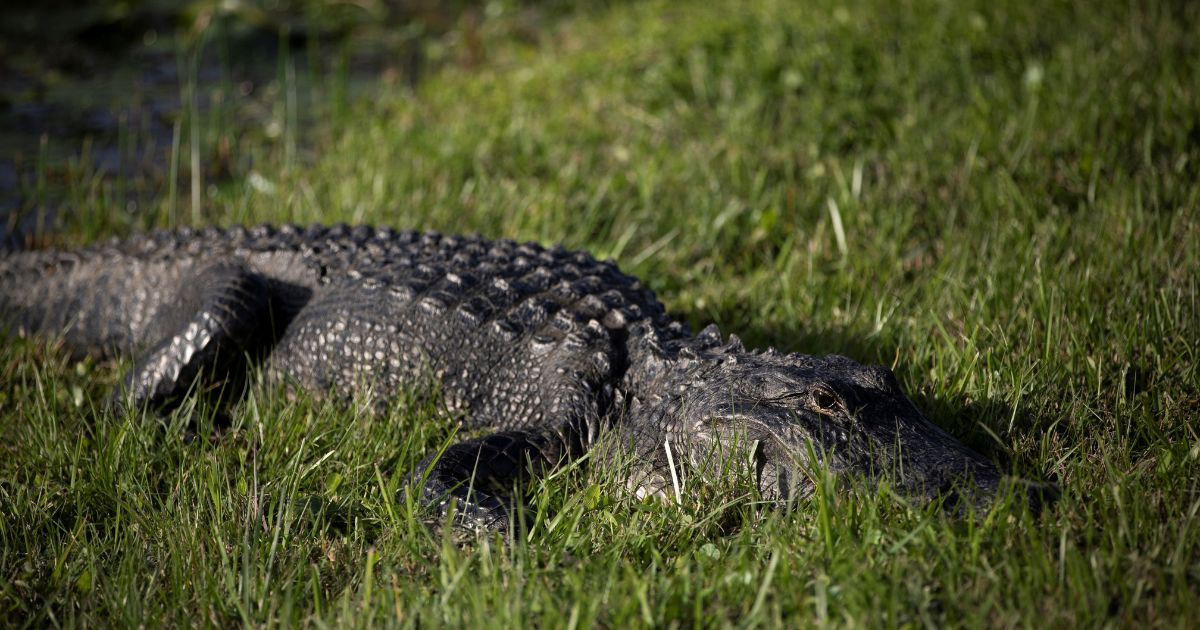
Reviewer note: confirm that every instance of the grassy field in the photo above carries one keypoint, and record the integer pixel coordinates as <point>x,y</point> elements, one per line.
<point>999,199</point>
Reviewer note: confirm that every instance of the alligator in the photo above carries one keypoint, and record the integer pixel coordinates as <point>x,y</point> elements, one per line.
<point>542,353</point>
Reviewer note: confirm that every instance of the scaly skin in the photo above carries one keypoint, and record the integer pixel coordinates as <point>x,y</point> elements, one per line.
<point>546,349</point>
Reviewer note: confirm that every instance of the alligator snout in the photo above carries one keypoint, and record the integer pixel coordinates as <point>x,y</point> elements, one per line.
<point>1038,496</point>
<point>962,495</point>
<point>958,487</point>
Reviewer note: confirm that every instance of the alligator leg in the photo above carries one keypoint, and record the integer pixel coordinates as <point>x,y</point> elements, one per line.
<point>218,311</point>
<point>474,475</point>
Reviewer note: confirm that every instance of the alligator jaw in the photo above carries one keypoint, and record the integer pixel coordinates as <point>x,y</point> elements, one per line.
<point>789,477</point>
<point>961,483</point>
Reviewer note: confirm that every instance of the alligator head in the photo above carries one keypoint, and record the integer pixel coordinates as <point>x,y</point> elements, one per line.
<point>792,417</point>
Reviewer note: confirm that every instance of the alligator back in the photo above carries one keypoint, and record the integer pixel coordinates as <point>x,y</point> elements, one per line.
<point>356,308</point>
<point>514,334</point>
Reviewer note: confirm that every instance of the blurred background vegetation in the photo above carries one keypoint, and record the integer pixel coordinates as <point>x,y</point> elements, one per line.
<point>120,91</point>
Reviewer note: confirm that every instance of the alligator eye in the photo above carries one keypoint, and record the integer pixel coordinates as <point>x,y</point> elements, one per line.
<point>825,401</point>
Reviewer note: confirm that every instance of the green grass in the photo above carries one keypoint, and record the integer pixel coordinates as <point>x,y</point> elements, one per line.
<point>1002,200</point>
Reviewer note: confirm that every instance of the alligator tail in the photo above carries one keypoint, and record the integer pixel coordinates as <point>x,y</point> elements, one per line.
<point>97,300</point>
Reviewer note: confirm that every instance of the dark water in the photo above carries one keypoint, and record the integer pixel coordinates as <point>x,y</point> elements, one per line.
<point>96,95</point>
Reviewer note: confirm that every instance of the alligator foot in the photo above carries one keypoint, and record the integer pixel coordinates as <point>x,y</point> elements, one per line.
<point>217,312</point>
<point>470,479</point>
